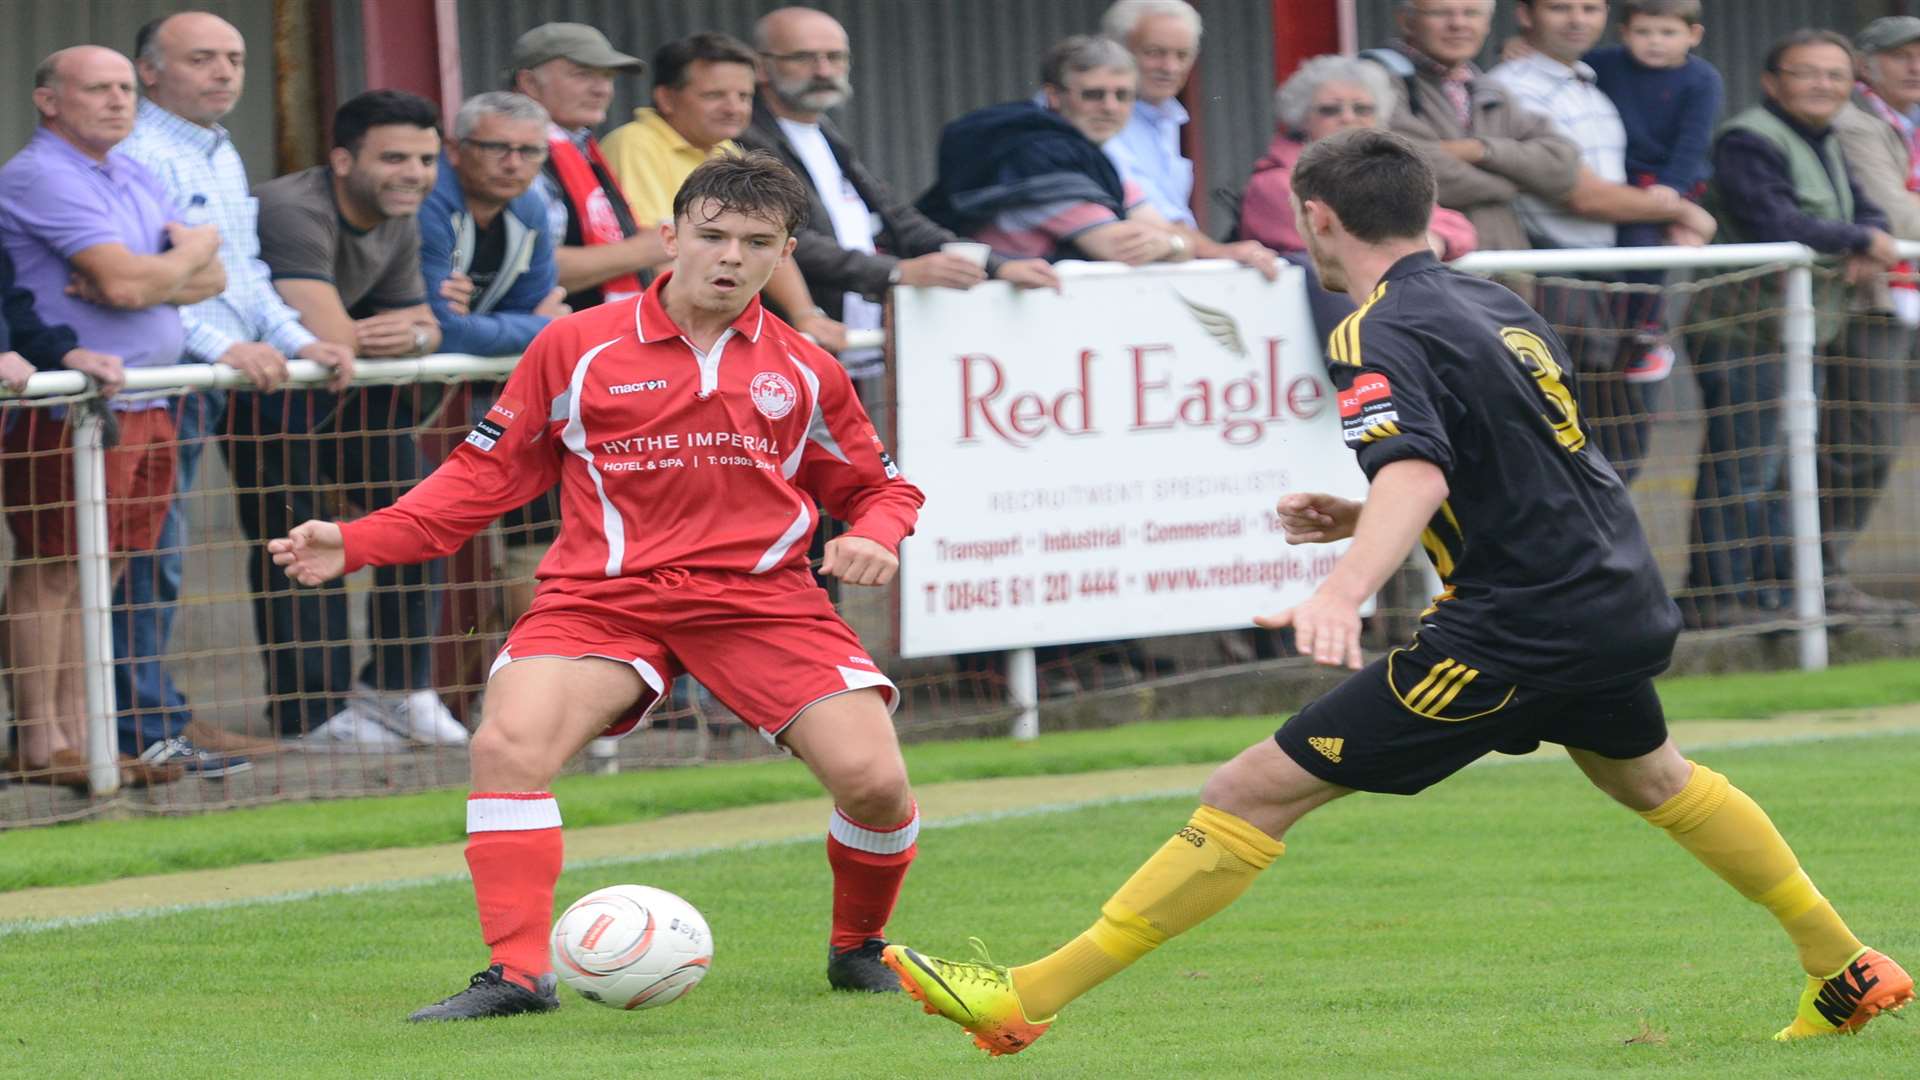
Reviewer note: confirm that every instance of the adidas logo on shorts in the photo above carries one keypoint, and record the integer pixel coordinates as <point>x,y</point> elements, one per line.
<point>1329,748</point>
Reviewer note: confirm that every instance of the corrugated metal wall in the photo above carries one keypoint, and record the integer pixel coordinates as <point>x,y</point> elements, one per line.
<point>917,63</point>
<point>38,27</point>
<point>1739,32</point>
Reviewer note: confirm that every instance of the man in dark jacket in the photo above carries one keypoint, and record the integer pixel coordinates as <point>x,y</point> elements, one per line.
<point>847,263</point>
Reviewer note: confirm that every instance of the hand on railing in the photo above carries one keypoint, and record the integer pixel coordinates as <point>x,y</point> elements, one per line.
<point>312,554</point>
<point>15,371</point>
<point>336,358</point>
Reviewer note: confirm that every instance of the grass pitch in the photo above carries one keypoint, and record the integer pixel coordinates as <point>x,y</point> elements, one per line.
<point>1510,923</point>
<point>84,852</point>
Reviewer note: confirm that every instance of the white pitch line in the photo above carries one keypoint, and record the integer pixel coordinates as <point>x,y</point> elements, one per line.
<point>35,926</point>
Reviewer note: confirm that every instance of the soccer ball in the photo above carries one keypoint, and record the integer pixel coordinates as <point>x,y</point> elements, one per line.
<point>631,946</point>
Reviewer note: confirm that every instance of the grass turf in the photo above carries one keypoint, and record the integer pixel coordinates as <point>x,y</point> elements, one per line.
<point>106,850</point>
<point>1511,922</point>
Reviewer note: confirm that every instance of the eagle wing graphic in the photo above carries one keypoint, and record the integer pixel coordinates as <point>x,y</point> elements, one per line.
<point>1218,324</point>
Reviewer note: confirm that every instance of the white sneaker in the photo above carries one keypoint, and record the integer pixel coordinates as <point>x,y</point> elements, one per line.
<point>351,730</point>
<point>421,716</point>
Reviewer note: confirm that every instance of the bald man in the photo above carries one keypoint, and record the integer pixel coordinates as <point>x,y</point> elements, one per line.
<point>848,264</point>
<point>104,249</point>
<point>192,67</point>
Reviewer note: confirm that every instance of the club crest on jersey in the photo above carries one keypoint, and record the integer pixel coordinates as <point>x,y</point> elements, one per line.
<point>772,394</point>
<point>1366,410</point>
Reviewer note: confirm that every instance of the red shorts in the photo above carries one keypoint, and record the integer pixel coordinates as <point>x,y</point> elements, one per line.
<point>37,470</point>
<point>767,645</point>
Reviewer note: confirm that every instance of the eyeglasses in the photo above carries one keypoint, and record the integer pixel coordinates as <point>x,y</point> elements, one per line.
<point>1818,75</point>
<point>837,58</point>
<point>1331,109</point>
<point>498,151</point>
<point>1095,94</point>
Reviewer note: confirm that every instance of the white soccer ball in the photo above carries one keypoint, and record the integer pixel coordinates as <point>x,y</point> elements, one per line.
<point>631,946</point>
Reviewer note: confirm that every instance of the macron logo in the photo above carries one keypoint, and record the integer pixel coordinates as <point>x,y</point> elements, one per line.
<point>636,387</point>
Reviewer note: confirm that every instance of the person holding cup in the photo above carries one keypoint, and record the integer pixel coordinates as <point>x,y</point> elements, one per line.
<point>860,239</point>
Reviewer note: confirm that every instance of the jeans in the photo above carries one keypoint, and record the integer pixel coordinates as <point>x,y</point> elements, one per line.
<point>1863,403</point>
<point>1742,461</point>
<point>1617,414</point>
<point>151,708</point>
<point>292,453</point>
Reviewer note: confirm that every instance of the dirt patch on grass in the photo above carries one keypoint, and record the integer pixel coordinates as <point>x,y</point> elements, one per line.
<point>783,822</point>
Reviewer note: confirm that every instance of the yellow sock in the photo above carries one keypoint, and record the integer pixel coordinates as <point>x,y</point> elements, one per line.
<point>1728,831</point>
<point>1201,870</point>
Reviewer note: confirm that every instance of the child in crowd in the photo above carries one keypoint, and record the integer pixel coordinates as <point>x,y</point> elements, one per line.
<point>1669,102</point>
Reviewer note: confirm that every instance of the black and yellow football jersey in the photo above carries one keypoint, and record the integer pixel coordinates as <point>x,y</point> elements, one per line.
<point>1549,581</point>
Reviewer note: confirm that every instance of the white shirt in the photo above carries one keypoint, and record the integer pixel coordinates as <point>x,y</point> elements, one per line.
<point>1147,152</point>
<point>1566,94</point>
<point>853,229</point>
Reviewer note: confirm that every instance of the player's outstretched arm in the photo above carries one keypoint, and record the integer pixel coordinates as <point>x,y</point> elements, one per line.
<point>1403,499</point>
<point>1312,517</point>
<point>312,553</point>
<point>857,560</point>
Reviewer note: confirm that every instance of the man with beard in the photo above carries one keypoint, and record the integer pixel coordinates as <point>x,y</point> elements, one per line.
<point>343,245</point>
<point>847,263</point>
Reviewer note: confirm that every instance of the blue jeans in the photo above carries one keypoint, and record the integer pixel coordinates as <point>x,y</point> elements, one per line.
<point>151,708</point>
<point>1731,541</point>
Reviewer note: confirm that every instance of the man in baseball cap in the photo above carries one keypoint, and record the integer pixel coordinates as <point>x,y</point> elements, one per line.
<point>577,42</point>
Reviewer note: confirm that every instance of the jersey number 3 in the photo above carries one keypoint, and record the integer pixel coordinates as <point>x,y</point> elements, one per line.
<point>1562,414</point>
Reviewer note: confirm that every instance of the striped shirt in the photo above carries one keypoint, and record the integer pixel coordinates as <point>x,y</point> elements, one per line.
<point>200,168</point>
<point>1568,96</point>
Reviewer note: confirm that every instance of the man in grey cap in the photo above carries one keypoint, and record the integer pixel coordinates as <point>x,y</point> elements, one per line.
<point>1865,400</point>
<point>600,252</point>
<point>603,255</point>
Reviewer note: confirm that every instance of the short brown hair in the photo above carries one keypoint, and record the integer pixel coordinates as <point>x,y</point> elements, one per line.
<point>1378,184</point>
<point>754,183</point>
<point>1687,11</point>
<point>1800,39</point>
<point>671,62</point>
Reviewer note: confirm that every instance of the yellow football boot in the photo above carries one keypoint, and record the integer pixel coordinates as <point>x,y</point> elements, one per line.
<point>979,996</point>
<point>1843,1002</point>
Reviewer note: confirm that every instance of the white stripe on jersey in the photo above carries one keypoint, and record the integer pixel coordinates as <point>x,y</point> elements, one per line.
<point>814,418</point>
<point>574,435</point>
<point>802,525</point>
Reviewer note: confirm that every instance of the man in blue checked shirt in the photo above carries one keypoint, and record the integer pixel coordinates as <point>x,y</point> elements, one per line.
<point>191,67</point>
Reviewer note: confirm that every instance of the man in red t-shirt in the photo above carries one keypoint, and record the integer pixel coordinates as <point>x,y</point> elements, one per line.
<point>691,434</point>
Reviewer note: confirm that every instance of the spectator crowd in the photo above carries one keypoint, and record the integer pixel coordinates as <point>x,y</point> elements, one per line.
<point>130,236</point>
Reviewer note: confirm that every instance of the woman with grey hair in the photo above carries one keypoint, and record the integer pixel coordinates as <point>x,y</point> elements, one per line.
<point>1327,94</point>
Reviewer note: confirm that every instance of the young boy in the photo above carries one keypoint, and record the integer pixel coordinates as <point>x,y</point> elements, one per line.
<point>1669,101</point>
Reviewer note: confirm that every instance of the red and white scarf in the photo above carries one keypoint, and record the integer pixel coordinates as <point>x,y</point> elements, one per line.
<point>591,200</point>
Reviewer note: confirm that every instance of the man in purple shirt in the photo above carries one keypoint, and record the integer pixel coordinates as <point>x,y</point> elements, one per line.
<point>96,240</point>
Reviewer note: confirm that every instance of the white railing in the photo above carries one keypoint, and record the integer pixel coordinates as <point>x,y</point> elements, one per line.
<point>1799,421</point>
<point>90,496</point>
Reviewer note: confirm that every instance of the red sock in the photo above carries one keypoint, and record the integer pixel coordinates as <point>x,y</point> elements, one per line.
<point>514,853</point>
<point>868,866</point>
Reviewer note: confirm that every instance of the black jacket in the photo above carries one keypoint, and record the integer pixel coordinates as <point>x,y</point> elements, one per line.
<point>831,270</point>
<point>22,331</point>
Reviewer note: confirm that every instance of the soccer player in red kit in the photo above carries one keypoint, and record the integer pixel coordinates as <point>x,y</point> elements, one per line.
<point>691,433</point>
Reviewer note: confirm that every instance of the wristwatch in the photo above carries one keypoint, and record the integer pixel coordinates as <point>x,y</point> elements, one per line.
<point>420,338</point>
<point>1176,245</point>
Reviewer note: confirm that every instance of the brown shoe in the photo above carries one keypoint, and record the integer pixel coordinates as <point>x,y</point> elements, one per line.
<point>137,773</point>
<point>1846,598</point>
<point>208,737</point>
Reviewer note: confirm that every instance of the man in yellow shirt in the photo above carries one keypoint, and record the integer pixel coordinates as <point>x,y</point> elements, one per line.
<point>702,97</point>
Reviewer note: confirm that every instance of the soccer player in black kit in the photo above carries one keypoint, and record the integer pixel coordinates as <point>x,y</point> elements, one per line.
<point>1551,625</point>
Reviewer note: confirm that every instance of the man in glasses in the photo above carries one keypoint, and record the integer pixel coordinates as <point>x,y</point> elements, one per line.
<point>485,228</point>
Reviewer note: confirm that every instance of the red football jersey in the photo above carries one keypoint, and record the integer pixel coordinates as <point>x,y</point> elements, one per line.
<point>665,456</point>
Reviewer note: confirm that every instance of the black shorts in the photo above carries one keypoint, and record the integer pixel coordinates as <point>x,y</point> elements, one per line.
<point>1414,718</point>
